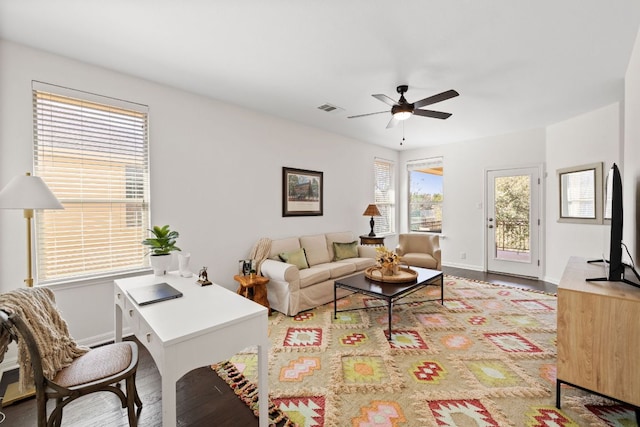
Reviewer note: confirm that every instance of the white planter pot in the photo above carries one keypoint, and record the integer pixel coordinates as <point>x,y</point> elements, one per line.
<point>160,264</point>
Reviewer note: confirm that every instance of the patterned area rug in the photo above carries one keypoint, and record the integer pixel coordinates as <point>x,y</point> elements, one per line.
<point>485,358</point>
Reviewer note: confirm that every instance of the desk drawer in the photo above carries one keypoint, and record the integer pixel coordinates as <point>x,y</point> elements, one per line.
<point>131,317</point>
<point>151,341</point>
<point>119,298</point>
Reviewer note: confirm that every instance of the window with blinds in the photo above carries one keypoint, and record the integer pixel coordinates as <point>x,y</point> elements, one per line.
<point>384,196</point>
<point>426,195</point>
<point>92,152</point>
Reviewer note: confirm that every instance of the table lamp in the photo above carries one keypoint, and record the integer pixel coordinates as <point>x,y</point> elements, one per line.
<point>29,193</point>
<point>372,210</point>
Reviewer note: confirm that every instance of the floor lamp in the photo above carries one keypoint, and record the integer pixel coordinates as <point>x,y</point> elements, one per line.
<point>28,193</point>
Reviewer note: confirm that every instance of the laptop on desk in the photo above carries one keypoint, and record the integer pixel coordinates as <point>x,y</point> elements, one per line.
<point>153,293</point>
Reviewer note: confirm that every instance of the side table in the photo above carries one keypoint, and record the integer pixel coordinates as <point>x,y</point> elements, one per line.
<point>254,288</point>
<point>372,240</point>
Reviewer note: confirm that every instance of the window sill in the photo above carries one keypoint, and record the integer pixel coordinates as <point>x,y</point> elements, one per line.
<point>71,283</point>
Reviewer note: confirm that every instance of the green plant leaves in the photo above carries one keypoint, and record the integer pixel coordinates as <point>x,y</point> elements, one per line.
<point>164,241</point>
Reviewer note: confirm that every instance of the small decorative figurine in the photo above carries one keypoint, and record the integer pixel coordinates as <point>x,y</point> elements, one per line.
<point>203,278</point>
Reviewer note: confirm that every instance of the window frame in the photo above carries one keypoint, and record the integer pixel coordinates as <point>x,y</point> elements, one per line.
<point>384,199</point>
<point>417,165</point>
<point>93,152</point>
<point>596,183</point>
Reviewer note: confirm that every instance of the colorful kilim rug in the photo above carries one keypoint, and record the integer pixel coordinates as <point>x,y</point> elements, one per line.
<point>485,358</point>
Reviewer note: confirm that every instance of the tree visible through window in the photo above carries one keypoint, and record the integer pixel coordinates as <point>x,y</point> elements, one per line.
<point>512,207</point>
<point>426,195</point>
<point>93,154</point>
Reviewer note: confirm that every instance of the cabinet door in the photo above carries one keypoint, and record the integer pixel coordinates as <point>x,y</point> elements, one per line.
<point>599,343</point>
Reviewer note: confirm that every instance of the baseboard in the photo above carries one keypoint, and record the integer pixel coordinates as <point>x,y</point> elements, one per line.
<point>8,364</point>
<point>464,266</point>
<point>101,339</point>
<point>553,280</point>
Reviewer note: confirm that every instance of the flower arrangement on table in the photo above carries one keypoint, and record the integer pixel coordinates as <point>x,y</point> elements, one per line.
<point>387,260</point>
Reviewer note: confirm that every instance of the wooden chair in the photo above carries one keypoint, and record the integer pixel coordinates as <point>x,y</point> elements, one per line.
<point>100,369</point>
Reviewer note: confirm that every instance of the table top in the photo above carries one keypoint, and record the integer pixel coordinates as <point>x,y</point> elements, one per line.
<point>390,290</point>
<point>578,270</point>
<point>201,309</point>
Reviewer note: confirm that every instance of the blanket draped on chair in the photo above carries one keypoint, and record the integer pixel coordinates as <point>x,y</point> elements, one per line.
<point>37,307</point>
<point>260,252</point>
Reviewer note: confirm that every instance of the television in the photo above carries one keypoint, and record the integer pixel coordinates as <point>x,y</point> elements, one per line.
<point>615,268</point>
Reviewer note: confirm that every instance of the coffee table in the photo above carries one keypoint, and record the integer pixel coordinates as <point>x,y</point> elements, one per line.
<point>389,292</point>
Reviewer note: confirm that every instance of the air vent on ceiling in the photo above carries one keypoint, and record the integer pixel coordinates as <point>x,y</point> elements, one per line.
<point>330,108</point>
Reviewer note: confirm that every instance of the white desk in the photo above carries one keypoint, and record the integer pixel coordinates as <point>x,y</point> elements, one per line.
<point>208,324</point>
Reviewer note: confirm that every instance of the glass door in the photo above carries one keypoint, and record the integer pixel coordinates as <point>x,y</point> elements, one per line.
<point>512,221</point>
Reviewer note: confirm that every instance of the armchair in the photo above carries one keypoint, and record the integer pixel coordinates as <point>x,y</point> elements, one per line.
<point>420,250</point>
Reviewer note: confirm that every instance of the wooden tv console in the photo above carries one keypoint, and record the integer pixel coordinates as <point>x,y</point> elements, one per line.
<point>598,334</point>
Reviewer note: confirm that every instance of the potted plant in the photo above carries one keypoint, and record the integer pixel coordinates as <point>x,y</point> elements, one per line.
<point>160,248</point>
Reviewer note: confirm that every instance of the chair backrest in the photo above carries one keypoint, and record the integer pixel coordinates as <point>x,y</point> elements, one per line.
<point>418,243</point>
<point>19,330</point>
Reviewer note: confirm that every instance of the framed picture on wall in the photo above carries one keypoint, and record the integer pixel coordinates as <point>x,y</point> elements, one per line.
<point>301,192</point>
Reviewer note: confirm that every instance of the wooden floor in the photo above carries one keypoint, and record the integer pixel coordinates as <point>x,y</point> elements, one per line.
<point>203,399</point>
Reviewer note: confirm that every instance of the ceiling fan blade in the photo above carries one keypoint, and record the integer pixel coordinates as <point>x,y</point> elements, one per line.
<point>368,114</point>
<point>432,114</point>
<point>385,99</point>
<point>393,122</point>
<point>436,98</point>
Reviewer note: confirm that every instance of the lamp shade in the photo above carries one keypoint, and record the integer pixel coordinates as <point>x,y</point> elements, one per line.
<point>372,210</point>
<point>28,192</point>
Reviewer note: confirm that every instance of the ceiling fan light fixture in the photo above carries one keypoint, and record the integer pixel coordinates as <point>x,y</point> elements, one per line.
<point>402,111</point>
<point>402,115</point>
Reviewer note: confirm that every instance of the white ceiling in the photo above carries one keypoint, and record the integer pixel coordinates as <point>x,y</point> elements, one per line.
<point>516,64</point>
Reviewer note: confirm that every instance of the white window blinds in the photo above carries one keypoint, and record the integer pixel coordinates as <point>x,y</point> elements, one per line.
<point>93,154</point>
<point>384,196</point>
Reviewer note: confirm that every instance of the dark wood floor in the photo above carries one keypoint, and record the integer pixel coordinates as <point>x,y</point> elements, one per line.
<point>203,399</point>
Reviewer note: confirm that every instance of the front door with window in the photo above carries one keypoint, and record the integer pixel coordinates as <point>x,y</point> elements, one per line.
<point>512,221</point>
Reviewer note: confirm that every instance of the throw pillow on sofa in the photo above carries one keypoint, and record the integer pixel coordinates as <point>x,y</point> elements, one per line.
<point>297,258</point>
<point>345,250</point>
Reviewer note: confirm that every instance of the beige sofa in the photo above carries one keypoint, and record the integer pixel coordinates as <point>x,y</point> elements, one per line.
<point>420,250</point>
<point>292,289</point>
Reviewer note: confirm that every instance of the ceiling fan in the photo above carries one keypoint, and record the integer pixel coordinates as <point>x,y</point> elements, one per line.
<point>402,110</point>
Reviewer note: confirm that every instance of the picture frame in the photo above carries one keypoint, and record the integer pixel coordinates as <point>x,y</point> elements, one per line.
<point>302,192</point>
<point>246,266</point>
<point>580,191</point>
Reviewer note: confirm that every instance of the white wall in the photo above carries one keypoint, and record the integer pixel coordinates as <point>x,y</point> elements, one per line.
<point>216,175</point>
<point>592,137</point>
<point>631,164</point>
<point>465,164</point>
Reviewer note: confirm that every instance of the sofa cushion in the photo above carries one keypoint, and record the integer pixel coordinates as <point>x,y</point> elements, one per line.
<point>359,263</point>
<point>420,260</point>
<point>313,275</point>
<point>316,248</point>
<point>339,269</point>
<point>340,237</point>
<point>345,250</point>
<point>283,245</point>
<point>296,258</point>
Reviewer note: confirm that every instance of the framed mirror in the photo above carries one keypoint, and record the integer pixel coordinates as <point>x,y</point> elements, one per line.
<point>581,194</point>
